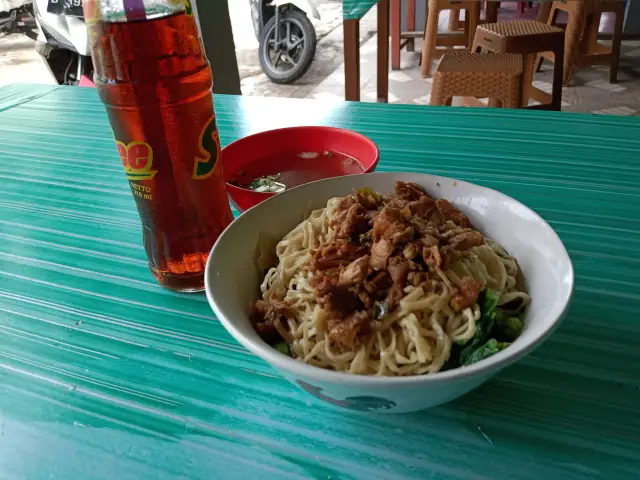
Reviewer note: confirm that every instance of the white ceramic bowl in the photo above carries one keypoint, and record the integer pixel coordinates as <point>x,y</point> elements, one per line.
<point>232,283</point>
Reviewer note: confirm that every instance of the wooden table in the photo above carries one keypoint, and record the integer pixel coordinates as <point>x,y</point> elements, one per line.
<point>353,11</point>
<point>104,374</point>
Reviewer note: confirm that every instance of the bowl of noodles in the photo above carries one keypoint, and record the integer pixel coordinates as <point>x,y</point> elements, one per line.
<point>389,292</point>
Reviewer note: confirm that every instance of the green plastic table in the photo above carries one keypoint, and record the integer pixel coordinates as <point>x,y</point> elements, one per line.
<point>104,374</point>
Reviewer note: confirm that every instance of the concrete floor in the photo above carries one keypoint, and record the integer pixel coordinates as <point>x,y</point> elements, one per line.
<point>19,61</point>
<point>589,91</point>
<point>329,50</point>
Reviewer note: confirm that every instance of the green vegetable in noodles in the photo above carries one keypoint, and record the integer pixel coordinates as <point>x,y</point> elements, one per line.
<point>507,328</point>
<point>283,348</point>
<point>366,191</point>
<point>488,302</point>
<point>485,351</point>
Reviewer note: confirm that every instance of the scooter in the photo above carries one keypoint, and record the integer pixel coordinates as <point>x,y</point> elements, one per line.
<point>14,14</point>
<point>63,41</point>
<point>287,39</point>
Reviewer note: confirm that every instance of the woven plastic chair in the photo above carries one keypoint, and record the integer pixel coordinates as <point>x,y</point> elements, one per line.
<point>491,15</point>
<point>463,74</point>
<point>581,47</point>
<point>435,45</point>
<point>526,37</point>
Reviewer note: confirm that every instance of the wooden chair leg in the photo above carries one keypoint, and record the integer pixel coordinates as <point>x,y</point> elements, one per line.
<point>527,78</point>
<point>473,14</point>
<point>436,93</point>
<point>396,12</point>
<point>575,28</point>
<point>383,51</point>
<point>547,14</point>
<point>411,24</point>
<point>351,60</point>
<point>589,41</point>
<point>544,12</point>
<point>538,63</point>
<point>454,20</point>
<point>558,78</point>
<point>513,99</point>
<point>448,101</point>
<point>476,46</point>
<point>465,26</point>
<point>615,46</point>
<point>429,44</point>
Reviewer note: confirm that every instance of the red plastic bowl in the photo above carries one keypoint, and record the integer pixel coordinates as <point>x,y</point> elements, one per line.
<point>274,151</point>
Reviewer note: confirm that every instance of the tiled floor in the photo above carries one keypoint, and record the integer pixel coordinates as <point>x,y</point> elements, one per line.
<point>590,90</point>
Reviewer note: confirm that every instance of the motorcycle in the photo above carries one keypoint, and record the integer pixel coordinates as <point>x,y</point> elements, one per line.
<point>14,15</point>
<point>63,41</point>
<point>287,39</point>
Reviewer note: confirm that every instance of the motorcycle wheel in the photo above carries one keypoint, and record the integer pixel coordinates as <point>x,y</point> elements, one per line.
<point>286,59</point>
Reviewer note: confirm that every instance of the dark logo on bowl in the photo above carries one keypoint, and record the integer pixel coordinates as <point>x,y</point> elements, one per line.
<point>363,404</point>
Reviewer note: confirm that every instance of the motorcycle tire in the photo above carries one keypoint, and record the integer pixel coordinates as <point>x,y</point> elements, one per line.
<point>309,33</point>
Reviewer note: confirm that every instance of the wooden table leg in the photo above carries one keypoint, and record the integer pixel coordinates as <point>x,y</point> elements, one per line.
<point>351,60</point>
<point>491,13</point>
<point>411,24</point>
<point>383,51</point>
<point>527,78</point>
<point>558,77</point>
<point>396,21</point>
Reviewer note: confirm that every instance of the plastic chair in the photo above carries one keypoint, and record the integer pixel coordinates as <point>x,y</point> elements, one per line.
<point>496,76</point>
<point>447,41</point>
<point>581,47</point>
<point>526,37</point>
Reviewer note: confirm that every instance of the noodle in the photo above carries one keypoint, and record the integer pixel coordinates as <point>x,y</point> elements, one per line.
<point>415,338</point>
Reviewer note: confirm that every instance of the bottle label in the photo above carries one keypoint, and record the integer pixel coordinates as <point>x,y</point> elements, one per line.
<point>137,159</point>
<point>209,150</point>
<point>137,156</point>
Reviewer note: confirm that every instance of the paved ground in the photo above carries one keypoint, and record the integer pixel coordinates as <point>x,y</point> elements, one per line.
<point>590,90</point>
<point>329,51</point>
<point>19,61</point>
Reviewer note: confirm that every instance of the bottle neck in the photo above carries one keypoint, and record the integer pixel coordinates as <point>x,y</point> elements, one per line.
<point>130,10</point>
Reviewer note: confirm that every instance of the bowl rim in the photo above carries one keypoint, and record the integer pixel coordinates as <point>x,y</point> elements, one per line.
<point>500,360</point>
<point>340,130</point>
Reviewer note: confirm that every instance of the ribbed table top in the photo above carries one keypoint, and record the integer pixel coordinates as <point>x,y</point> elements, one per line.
<point>104,374</point>
<point>356,9</point>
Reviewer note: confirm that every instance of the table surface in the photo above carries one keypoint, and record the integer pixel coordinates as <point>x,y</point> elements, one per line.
<point>356,9</point>
<point>104,374</point>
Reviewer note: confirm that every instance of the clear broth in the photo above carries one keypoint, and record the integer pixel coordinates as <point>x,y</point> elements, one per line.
<point>266,176</point>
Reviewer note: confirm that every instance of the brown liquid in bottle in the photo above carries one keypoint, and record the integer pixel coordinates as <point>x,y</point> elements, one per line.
<point>156,84</point>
